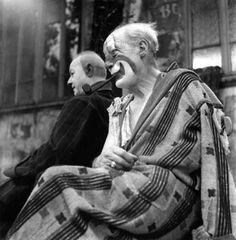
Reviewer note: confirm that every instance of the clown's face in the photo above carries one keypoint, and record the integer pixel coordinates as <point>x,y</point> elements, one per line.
<point>123,57</point>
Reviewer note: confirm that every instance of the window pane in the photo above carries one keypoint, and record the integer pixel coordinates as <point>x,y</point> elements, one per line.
<point>51,50</point>
<point>8,95</point>
<point>169,17</point>
<point>205,21</point>
<point>107,15</point>
<point>207,57</point>
<point>10,42</point>
<point>233,56</point>
<point>232,19</point>
<point>25,92</point>
<point>72,11</point>
<point>72,28</point>
<point>26,80</point>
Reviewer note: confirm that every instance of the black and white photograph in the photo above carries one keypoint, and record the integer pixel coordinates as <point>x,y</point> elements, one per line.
<point>117,119</point>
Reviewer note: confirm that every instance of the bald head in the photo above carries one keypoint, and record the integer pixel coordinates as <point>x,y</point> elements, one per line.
<point>86,68</point>
<point>92,64</point>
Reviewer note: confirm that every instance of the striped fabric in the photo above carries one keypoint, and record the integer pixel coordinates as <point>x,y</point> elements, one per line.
<point>180,185</point>
<point>70,143</point>
<point>218,210</point>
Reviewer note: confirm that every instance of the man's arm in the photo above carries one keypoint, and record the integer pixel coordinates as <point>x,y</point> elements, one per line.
<point>85,135</point>
<point>72,141</point>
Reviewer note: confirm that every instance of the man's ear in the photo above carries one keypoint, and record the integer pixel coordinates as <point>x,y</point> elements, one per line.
<point>89,70</point>
<point>143,48</point>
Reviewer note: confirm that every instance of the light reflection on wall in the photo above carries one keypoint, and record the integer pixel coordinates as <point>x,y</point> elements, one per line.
<point>207,57</point>
<point>232,31</point>
<point>18,4</point>
<point>233,57</point>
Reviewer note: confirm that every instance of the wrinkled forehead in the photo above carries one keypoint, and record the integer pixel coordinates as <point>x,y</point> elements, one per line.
<point>109,44</point>
<point>115,41</point>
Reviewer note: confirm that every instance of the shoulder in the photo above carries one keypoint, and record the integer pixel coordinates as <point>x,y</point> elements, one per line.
<point>96,101</point>
<point>184,72</point>
<point>77,100</point>
<point>100,100</point>
<point>175,72</point>
<point>86,99</point>
<point>181,78</point>
<point>75,104</point>
<point>197,90</point>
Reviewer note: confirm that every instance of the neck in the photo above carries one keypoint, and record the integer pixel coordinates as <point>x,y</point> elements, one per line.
<point>97,79</point>
<point>142,94</point>
<point>145,84</point>
<point>101,85</point>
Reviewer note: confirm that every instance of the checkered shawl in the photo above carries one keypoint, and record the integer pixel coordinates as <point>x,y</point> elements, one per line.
<point>181,181</point>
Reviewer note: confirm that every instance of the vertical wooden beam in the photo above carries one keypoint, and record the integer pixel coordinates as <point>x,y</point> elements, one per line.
<point>19,55</point>
<point>2,51</point>
<point>224,35</point>
<point>39,50</point>
<point>187,33</point>
<point>62,50</point>
<point>83,24</point>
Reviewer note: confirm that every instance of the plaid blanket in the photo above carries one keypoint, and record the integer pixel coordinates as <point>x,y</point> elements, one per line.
<point>180,187</point>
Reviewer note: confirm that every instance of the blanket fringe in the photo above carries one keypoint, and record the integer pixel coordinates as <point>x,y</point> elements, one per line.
<point>201,234</point>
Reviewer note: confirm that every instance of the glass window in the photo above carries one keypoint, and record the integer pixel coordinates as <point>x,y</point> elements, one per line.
<point>233,56</point>
<point>10,42</point>
<point>72,33</point>
<point>232,31</point>
<point>207,57</point>
<point>205,21</point>
<point>39,39</point>
<point>17,55</point>
<point>26,71</point>
<point>72,22</point>
<point>107,14</point>
<point>52,31</point>
<point>232,19</point>
<point>205,35</point>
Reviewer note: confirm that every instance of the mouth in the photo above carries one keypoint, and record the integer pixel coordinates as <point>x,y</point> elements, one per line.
<point>121,72</point>
<point>128,60</point>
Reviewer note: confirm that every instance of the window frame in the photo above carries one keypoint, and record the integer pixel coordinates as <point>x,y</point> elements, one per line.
<point>223,31</point>
<point>37,101</point>
<point>39,50</point>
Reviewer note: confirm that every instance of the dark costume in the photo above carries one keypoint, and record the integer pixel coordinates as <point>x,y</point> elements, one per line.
<point>76,139</point>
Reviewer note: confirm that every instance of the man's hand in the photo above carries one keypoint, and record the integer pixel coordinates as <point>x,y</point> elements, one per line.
<point>117,158</point>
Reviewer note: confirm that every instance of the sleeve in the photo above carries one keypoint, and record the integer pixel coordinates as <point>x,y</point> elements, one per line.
<point>79,134</point>
<point>71,139</point>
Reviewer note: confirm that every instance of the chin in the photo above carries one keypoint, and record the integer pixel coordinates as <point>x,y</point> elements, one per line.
<point>121,84</point>
<point>76,93</point>
<point>118,84</point>
<point>124,83</point>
